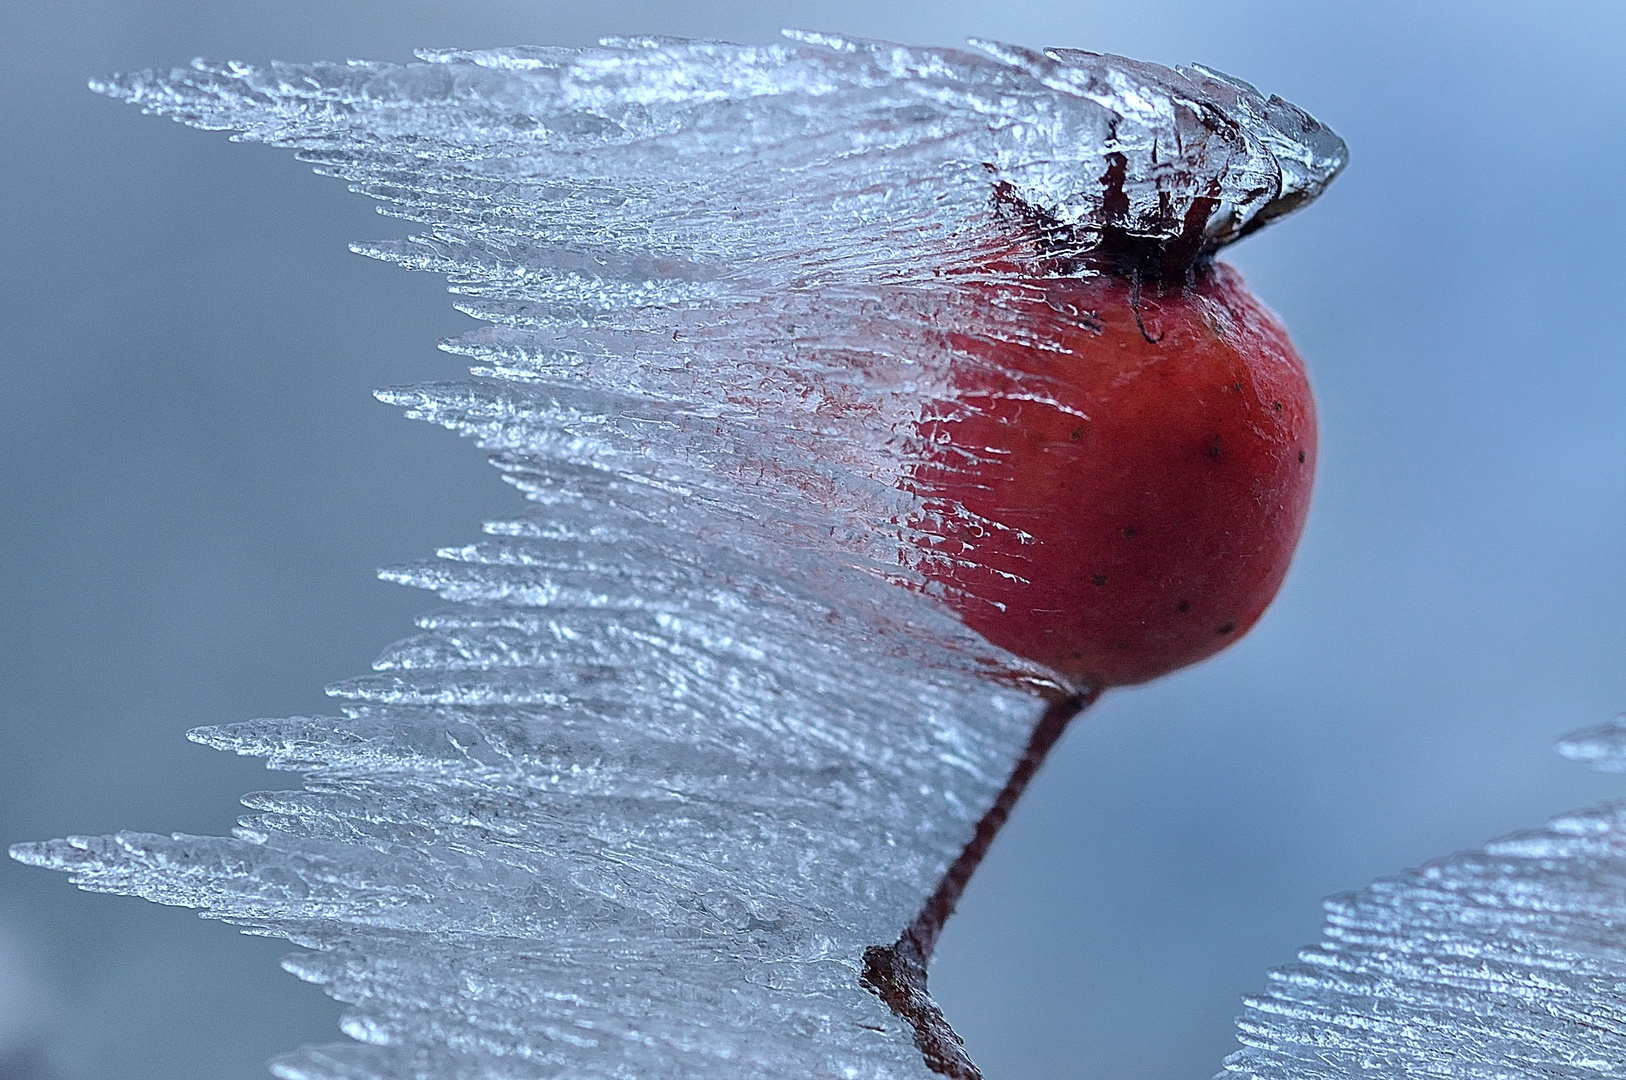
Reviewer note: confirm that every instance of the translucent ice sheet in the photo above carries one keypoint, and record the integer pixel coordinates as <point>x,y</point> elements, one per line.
<point>1504,962</point>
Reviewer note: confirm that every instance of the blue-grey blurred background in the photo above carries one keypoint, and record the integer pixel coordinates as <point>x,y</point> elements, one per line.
<point>197,486</point>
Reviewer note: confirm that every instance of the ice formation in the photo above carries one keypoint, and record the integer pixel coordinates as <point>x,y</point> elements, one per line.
<point>695,733</point>
<point>1504,962</point>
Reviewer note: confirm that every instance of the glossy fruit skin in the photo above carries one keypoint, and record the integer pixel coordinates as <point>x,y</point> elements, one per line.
<point>1141,464</point>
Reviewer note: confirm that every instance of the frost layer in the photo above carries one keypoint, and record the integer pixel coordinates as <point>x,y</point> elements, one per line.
<point>1504,962</point>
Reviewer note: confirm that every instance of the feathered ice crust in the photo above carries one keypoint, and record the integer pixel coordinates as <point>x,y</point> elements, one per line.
<point>887,148</point>
<point>635,804</point>
<point>1504,962</point>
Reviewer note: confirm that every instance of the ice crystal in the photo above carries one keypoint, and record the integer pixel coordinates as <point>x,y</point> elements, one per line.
<point>695,732</point>
<point>1504,962</point>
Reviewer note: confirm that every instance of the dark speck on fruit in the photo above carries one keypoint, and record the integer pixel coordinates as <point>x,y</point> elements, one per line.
<point>1301,457</point>
<point>1185,605</point>
<point>1099,579</point>
<point>1130,532</point>
<point>1214,448</point>
<point>1226,628</point>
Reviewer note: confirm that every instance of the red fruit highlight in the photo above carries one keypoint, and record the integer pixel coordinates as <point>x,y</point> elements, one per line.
<point>1135,471</point>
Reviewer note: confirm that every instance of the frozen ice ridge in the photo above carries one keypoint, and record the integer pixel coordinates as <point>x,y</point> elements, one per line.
<point>695,732</point>
<point>1504,962</point>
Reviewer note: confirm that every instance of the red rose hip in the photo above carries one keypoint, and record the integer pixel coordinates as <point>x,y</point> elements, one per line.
<point>1121,484</point>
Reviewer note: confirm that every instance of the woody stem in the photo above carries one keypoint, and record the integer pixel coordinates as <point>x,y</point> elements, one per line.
<point>896,973</point>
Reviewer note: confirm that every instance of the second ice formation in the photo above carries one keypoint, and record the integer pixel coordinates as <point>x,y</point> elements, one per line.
<point>681,748</point>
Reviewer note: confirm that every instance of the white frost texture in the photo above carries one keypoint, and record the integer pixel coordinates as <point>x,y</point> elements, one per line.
<point>695,731</point>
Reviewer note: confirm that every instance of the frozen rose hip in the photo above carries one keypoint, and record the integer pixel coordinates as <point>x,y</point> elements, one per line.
<point>1134,470</point>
